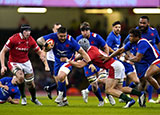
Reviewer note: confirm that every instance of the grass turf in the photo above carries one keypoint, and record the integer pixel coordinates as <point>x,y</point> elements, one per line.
<point>77,107</point>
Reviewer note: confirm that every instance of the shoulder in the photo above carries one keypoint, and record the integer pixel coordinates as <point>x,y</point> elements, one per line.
<point>94,34</point>
<point>14,36</point>
<point>79,37</point>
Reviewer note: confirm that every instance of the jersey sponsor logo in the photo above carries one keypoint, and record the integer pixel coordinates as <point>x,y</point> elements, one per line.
<point>22,49</point>
<point>61,53</point>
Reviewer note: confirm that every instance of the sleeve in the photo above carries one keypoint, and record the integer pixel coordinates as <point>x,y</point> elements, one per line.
<point>100,41</point>
<point>9,44</point>
<point>142,47</point>
<point>49,36</point>
<point>128,46</point>
<point>75,44</point>
<point>157,36</point>
<point>4,80</point>
<point>109,41</point>
<point>126,40</point>
<point>34,45</point>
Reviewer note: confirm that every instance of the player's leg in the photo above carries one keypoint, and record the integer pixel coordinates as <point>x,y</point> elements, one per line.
<point>102,76</point>
<point>153,70</point>
<point>61,76</point>
<point>53,86</point>
<point>92,78</point>
<point>116,76</point>
<point>29,80</point>
<point>133,78</point>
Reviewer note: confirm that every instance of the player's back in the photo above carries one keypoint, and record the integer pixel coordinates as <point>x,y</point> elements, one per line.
<point>149,52</point>
<point>95,53</point>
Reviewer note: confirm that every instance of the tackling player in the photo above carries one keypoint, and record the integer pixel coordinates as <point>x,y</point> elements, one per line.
<point>116,74</point>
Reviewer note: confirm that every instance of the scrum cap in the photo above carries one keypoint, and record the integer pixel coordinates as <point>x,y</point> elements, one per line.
<point>84,43</point>
<point>24,27</point>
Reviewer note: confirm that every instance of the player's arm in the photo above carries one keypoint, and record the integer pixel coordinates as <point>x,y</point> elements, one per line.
<point>136,58</point>
<point>41,54</point>
<point>41,41</point>
<point>78,64</point>
<point>13,101</point>
<point>106,49</point>
<point>115,53</point>
<point>87,59</point>
<point>2,58</point>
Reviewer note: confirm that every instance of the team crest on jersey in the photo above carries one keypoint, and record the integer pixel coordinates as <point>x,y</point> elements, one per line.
<point>92,42</point>
<point>12,90</point>
<point>67,45</point>
<point>152,34</point>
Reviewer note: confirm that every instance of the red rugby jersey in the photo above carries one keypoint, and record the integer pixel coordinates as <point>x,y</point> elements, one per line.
<point>19,47</point>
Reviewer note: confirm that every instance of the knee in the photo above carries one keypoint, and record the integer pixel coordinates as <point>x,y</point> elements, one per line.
<point>61,78</point>
<point>108,90</point>
<point>94,87</point>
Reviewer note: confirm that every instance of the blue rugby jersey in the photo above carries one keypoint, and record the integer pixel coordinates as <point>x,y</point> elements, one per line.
<point>13,89</point>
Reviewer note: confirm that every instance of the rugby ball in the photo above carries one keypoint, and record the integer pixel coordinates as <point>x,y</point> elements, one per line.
<point>50,45</point>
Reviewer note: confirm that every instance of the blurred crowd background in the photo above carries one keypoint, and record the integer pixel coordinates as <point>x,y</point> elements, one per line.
<point>70,17</point>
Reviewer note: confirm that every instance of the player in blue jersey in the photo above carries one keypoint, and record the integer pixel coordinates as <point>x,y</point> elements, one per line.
<point>9,91</point>
<point>49,65</point>
<point>114,41</point>
<point>64,46</point>
<point>144,53</point>
<point>95,40</point>
<point>152,36</point>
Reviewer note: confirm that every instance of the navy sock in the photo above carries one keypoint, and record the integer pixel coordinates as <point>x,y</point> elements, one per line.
<point>158,91</point>
<point>90,88</point>
<point>98,94</point>
<point>52,87</point>
<point>149,90</point>
<point>124,83</point>
<point>64,93</point>
<point>132,85</point>
<point>61,86</point>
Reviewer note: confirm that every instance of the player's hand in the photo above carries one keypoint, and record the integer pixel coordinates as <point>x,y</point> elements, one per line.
<point>104,58</point>
<point>92,67</point>
<point>47,68</point>
<point>5,87</point>
<point>3,70</point>
<point>42,56</point>
<point>64,59</point>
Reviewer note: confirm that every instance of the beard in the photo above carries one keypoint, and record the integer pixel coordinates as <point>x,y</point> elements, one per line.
<point>143,29</point>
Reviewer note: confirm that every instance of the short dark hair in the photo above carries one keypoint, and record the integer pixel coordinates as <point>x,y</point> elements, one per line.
<point>135,32</point>
<point>115,23</point>
<point>145,17</point>
<point>62,30</point>
<point>84,24</point>
<point>57,23</point>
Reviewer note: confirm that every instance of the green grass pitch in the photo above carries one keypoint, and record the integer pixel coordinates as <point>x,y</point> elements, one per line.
<point>77,107</point>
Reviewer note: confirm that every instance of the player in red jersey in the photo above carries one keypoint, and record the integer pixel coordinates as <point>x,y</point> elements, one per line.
<point>116,74</point>
<point>18,46</point>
